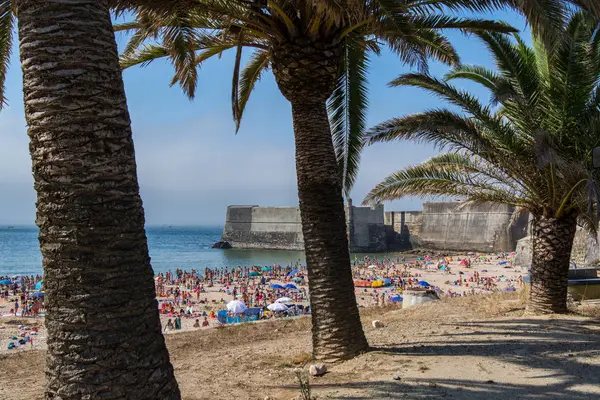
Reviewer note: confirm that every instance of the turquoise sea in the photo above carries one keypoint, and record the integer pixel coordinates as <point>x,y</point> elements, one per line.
<point>170,248</point>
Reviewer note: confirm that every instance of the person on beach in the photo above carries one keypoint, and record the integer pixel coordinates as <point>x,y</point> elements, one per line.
<point>177,323</point>
<point>169,326</point>
<point>197,324</point>
<point>205,322</point>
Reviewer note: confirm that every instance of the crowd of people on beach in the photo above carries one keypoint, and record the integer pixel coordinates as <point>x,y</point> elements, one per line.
<point>195,299</point>
<point>24,294</point>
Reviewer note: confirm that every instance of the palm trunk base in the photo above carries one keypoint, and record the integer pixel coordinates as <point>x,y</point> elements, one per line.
<point>552,244</point>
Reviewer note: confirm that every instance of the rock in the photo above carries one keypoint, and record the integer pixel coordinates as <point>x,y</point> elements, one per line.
<point>317,369</point>
<point>377,324</point>
<point>221,245</point>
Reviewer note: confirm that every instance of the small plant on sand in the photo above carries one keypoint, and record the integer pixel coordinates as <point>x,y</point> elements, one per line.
<point>304,381</point>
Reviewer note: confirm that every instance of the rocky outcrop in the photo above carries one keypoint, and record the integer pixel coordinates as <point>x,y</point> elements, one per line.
<point>221,245</point>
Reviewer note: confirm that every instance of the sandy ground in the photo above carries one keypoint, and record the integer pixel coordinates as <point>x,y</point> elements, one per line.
<point>216,298</point>
<point>480,347</point>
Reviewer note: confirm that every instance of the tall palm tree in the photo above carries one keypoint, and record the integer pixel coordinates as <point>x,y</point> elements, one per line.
<point>104,333</point>
<point>319,52</point>
<point>530,147</point>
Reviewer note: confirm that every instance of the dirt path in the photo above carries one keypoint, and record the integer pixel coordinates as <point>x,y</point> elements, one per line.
<point>473,348</point>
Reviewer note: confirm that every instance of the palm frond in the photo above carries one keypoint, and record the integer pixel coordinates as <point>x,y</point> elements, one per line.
<point>347,108</point>
<point>441,177</point>
<point>143,56</point>
<point>7,20</point>
<point>259,63</point>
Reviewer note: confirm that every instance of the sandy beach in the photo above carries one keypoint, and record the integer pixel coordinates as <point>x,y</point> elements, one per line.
<point>195,300</point>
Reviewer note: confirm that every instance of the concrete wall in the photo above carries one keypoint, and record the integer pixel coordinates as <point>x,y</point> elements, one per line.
<point>403,229</point>
<point>446,226</point>
<point>281,228</point>
<point>440,226</point>
<point>264,227</point>
<point>366,228</point>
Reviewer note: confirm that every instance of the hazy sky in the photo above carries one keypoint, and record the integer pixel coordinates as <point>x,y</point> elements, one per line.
<point>191,164</point>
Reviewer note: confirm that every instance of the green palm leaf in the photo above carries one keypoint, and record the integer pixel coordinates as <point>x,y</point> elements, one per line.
<point>347,109</point>
<point>259,63</point>
<point>7,20</point>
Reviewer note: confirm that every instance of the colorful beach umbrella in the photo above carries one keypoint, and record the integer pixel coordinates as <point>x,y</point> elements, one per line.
<point>284,300</point>
<point>276,286</point>
<point>424,284</point>
<point>5,282</point>
<point>290,286</point>
<point>38,286</point>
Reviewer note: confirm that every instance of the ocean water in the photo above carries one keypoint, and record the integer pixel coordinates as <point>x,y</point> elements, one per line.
<point>170,248</point>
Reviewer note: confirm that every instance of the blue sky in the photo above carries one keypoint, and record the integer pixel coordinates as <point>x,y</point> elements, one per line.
<point>191,164</point>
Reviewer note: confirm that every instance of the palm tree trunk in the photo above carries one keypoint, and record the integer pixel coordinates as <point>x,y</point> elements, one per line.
<point>337,331</point>
<point>104,333</point>
<point>306,74</point>
<point>552,243</point>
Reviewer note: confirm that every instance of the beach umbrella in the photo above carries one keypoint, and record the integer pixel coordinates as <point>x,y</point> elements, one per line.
<point>292,273</point>
<point>424,283</point>
<point>276,286</point>
<point>5,282</point>
<point>266,269</point>
<point>236,306</point>
<point>372,266</point>
<point>290,286</point>
<point>38,286</point>
<point>254,273</point>
<point>36,295</point>
<point>396,298</point>
<point>277,307</point>
<point>284,300</point>
<point>297,279</point>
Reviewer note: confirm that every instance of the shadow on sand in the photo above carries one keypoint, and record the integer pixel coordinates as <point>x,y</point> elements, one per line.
<point>565,349</point>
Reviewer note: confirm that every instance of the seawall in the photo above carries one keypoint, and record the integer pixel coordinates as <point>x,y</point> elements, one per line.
<point>254,227</point>
<point>280,228</point>
<point>439,226</point>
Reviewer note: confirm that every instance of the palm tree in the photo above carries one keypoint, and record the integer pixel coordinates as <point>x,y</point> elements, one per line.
<point>530,147</point>
<point>104,333</point>
<point>319,52</point>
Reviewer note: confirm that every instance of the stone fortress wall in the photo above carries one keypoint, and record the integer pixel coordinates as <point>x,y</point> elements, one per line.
<point>439,226</point>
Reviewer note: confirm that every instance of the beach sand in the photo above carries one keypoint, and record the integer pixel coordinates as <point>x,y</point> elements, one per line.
<point>487,267</point>
<point>471,348</point>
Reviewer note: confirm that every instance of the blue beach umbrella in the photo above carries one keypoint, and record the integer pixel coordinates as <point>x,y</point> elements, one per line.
<point>38,286</point>
<point>5,282</point>
<point>290,286</point>
<point>424,284</point>
<point>294,272</point>
<point>276,286</point>
<point>254,273</point>
<point>36,295</point>
<point>266,268</point>
<point>396,299</point>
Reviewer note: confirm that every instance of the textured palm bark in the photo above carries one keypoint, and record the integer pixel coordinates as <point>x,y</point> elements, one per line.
<point>306,75</point>
<point>104,334</point>
<point>552,244</point>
